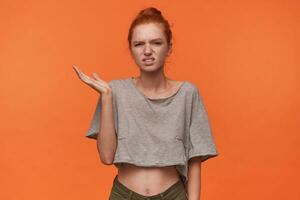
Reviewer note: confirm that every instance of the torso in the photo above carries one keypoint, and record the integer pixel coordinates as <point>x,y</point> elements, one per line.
<point>147,181</point>
<point>150,181</point>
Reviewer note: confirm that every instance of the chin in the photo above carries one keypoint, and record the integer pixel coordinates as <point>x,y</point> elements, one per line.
<point>150,68</point>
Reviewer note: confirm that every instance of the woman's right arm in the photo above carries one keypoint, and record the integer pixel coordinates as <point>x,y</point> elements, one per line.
<point>106,139</point>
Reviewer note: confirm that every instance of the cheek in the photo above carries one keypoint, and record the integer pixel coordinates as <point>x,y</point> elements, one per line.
<point>162,51</point>
<point>162,54</point>
<point>134,54</point>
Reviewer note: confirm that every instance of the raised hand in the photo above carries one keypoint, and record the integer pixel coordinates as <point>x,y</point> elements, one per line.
<point>96,83</point>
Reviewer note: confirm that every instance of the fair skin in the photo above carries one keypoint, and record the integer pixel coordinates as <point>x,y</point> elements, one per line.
<point>148,41</point>
<point>106,139</point>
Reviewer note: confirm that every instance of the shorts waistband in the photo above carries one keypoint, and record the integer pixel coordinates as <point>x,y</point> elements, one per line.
<point>125,189</point>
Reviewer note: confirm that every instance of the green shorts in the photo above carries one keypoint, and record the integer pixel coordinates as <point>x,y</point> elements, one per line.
<point>121,192</point>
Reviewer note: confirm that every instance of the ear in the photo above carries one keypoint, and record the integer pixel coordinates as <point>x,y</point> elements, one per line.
<point>170,50</point>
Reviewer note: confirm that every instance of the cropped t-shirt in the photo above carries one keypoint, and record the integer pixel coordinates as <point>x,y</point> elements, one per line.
<point>157,132</point>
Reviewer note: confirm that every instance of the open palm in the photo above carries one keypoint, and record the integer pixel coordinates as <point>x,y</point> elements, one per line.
<point>96,83</point>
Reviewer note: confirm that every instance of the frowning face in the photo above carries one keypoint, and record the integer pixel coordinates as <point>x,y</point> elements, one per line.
<point>149,47</point>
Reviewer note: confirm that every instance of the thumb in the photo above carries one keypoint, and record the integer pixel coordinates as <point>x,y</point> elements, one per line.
<point>95,75</point>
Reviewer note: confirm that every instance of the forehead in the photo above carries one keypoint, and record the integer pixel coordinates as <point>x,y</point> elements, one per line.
<point>148,31</point>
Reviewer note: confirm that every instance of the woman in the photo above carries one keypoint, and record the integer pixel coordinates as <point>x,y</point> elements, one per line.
<point>144,121</point>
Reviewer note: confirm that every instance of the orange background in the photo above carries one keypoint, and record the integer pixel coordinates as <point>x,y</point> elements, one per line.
<point>243,56</point>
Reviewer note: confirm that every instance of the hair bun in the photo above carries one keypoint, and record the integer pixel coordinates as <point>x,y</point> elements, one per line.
<point>150,11</point>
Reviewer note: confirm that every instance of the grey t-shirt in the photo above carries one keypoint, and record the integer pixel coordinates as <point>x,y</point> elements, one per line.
<point>158,132</point>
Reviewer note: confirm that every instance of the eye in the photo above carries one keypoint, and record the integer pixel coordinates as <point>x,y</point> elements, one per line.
<point>158,43</point>
<point>137,44</point>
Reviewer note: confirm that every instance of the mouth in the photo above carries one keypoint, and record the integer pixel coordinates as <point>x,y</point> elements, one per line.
<point>148,60</point>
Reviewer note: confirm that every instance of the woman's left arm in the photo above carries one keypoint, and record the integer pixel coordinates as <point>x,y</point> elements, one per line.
<point>194,179</point>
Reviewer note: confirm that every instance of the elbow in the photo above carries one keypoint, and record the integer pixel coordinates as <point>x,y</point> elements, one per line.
<point>106,158</point>
<point>106,152</point>
<point>107,161</point>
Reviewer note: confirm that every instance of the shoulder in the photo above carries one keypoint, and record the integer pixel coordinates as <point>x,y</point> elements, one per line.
<point>118,82</point>
<point>120,85</point>
<point>193,91</point>
<point>191,87</point>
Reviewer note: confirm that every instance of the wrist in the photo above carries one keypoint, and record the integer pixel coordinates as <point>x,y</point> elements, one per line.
<point>106,97</point>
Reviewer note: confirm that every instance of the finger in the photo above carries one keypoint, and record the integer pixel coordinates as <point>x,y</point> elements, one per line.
<point>95,75</point>
<point>78,72</point>
<point>81,75</point>
<point>75,68</point>
<point>98,85</point>
<point>98,82</point>
<point>97,78</point>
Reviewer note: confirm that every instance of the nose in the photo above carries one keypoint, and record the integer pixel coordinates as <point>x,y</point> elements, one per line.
<point>147,50</point>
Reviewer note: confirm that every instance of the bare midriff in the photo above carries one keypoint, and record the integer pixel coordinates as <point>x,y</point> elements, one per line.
<point>147,181</point>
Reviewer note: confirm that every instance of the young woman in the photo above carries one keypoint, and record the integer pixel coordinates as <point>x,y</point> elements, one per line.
<point>154,129</point>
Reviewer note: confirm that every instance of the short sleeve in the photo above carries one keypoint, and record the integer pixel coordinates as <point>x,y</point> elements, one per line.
<point>94,126</point>
<point>201,141</point>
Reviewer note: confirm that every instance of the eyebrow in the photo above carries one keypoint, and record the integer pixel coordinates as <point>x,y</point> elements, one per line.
<point>155,39</point>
